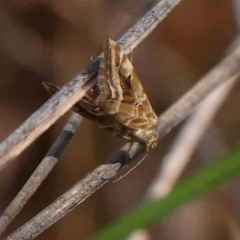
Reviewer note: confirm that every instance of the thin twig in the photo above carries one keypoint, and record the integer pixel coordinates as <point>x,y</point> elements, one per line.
<point>226,69</point>
<point>41,172</point>
<point>133,37</point>
<point>188,139</point>
<point>74,90</point>
<point>180,153</point>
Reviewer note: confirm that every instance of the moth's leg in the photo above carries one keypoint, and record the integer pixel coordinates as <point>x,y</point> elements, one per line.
<point>118,130</point>
<point>85,107</point>
<point>131,169</point>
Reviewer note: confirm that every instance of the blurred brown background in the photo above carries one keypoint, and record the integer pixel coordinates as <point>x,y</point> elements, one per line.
<point>52,40</point>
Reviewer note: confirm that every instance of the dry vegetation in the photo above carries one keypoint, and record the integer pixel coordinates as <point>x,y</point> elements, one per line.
<point>52,41</point>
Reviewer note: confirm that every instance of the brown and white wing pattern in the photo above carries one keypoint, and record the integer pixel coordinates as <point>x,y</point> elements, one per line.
<point>118,101</point>
<point>122,95</point>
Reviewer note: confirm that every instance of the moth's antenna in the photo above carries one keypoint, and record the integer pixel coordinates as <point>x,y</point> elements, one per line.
<point>138,163</point>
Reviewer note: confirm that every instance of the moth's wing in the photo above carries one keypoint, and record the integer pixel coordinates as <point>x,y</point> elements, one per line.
<point>82,107</point>
<point>135,110</point>
<point>110,91</point>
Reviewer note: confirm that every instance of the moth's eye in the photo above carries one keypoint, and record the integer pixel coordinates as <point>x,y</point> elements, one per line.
<point>128,81</point>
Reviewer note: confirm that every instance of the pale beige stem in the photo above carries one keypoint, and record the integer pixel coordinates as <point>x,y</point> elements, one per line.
<point>178,156</point>
<point>75,89</point>
<point>41,172</point>
<point>223,72</point>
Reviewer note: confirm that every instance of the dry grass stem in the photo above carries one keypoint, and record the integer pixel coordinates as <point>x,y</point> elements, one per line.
<point>223,72</point>
<point>180,153</point>
<point>41,172</point>
<point>75,89</point>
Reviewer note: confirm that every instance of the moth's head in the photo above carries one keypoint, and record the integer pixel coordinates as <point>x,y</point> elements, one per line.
<point>147,136</point>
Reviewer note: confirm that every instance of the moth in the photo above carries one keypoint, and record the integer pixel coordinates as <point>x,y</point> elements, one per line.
<point>118,101</point>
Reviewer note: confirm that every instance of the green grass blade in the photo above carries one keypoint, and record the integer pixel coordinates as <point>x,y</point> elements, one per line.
<point>193,187</point>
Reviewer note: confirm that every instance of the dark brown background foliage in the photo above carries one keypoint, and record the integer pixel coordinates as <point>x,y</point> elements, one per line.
<point>52,40</point>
